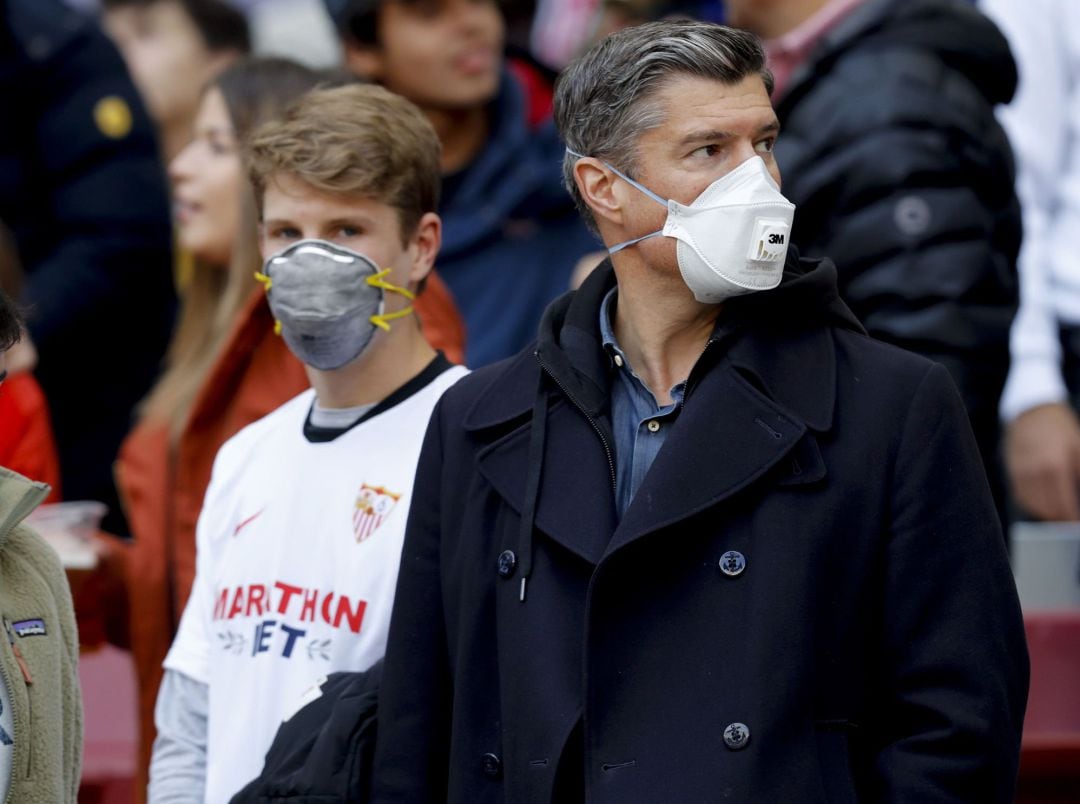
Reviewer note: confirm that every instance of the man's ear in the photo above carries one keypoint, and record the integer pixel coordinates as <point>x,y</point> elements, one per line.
<point>597,184</point>
<point>424,246</point>
<point>365,61</point>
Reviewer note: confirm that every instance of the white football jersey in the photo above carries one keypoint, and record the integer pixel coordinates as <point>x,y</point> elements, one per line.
<point>298,545</point>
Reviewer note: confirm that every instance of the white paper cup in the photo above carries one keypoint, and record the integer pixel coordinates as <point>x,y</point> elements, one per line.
<point>68,528</point>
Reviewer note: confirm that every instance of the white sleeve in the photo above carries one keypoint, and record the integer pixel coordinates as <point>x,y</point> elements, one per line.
<point>1043,133</point>
<point>190,651</point>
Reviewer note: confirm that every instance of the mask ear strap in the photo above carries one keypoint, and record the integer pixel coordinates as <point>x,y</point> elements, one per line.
<point>377,281</point>
<point>381,320</point>
<point>629,181</point>
<point>267,283</point>
<point>621,246</point>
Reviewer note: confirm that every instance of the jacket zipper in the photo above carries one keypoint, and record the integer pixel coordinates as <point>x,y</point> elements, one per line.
<point>595,426</point>
<point>15,721</point>
<point>21,733</point>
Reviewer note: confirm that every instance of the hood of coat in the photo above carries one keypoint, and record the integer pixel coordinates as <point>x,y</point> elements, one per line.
<point>569,344</point>
<point>953,31</point>
<point>18,497</point>
<point>516,176</point>
<point>798,311</point>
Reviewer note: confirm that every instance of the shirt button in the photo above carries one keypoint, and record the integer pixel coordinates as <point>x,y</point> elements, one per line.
<point>736,736</point>
<point>491,765</point>
<point>507,563</point>
<point>732,563</point>
<point>653,425</point>
<point>618,360</point>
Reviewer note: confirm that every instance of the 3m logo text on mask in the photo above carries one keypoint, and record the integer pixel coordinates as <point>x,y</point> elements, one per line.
<point>769,242</point>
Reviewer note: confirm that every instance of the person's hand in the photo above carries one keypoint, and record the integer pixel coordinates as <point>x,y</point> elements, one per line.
<point>22,356</point>
<point>1042,456</point>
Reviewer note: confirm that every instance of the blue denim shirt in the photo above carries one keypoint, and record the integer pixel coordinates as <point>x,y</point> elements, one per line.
<point>639,423</point>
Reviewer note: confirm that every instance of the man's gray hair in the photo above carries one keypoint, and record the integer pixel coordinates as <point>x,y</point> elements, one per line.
<point>603,100</point>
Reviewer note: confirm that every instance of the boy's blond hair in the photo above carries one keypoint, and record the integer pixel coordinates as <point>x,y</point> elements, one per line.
<point>356,140</point>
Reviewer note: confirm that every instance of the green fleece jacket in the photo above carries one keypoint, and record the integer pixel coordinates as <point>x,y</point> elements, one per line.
<point>39,654</point>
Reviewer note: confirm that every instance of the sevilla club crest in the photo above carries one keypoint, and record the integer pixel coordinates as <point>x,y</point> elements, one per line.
<point>373,505</point>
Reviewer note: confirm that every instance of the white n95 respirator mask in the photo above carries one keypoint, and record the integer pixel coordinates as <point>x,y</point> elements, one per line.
<point>733,238</point>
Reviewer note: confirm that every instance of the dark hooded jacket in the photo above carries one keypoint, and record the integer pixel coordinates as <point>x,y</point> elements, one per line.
<point>902,176</point>
<point>866,643</point>
<point>511,235</point>
<point>83,190</point>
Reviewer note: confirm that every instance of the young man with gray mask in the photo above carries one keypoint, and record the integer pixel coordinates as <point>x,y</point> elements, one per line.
<point>704,539</point>
<point>300,534</point>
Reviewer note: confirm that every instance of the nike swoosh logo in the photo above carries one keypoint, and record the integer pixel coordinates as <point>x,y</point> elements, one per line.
<point>247,522</point>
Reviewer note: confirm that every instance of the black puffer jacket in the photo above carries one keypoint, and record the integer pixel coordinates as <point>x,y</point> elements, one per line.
<point>903,177</point>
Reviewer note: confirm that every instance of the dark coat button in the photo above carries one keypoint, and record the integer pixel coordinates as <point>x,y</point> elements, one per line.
<point>732,563</point>
<point>736,736</point>
<point>490,764</point>
<point>507,563</point>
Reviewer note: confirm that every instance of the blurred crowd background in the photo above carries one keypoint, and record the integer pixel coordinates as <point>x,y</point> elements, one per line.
<point>932,149</point>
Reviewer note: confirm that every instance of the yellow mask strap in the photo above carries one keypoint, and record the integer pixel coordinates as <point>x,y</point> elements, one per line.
<point>377,281</point>
<point>381,320</point>
<point>267,283</point>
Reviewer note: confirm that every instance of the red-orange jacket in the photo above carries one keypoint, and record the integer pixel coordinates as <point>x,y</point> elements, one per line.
<point>26,437</point>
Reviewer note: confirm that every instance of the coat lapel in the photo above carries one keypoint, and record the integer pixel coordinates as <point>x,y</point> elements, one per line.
<point>759,406</point>
<point>728,435</point>
<point>756,409</point>
<point>576,504</point>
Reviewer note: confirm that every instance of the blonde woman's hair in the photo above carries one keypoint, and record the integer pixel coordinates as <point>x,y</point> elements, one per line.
<point>359,140</point>
<point>255,90</point>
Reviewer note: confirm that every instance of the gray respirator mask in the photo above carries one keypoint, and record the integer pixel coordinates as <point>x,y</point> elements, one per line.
<point>327,301</point>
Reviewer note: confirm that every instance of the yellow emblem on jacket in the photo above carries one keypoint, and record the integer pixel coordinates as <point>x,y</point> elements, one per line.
<point>113,117</point>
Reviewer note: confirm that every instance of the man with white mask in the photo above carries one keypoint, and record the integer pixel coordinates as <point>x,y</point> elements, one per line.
<point>704,539</point>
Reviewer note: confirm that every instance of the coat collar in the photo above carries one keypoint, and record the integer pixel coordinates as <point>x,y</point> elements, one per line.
<point>18,497</point>
<point>797,374</point>
<point>763,389</point>
<point>779,340</point>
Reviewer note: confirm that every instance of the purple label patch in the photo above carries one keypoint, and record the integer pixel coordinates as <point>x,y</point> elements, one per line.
<point>25,628</point>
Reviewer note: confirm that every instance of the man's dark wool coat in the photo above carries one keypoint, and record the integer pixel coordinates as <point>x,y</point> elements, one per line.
<point>870,649</point>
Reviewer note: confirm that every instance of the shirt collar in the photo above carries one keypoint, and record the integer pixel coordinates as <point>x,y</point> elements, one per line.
<point>611,346</point>
<point>607,329</point>
<point>785,53</point>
